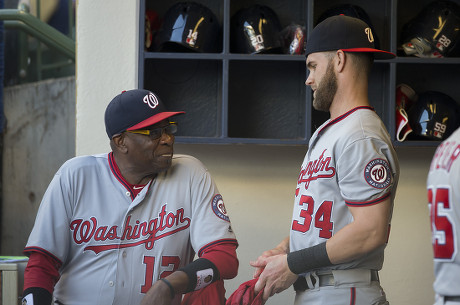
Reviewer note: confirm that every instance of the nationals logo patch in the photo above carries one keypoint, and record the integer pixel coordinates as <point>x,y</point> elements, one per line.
<point>377,173</point>
<point>219,208</point>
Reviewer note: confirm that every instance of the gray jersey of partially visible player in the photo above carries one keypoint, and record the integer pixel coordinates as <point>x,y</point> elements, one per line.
<point>443,185</point>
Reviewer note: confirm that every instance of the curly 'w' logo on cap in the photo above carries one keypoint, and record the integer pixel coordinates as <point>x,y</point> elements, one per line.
<point>151,100</point>
<point>370,36</point>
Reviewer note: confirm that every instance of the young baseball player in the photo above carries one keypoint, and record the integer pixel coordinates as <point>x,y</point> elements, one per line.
<point>347,181</point>
<point>443,184</point>
<point>123,227</point>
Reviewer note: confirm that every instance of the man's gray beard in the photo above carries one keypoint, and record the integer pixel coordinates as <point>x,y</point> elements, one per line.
<point>326,91</point>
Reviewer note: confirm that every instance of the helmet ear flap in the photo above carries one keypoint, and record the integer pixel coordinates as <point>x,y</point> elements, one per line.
<point>405,97</point>
<point>434,116</point>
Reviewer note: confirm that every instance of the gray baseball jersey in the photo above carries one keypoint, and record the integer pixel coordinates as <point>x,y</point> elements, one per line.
<point>443,184</point>
<point>350,162</point>
<point>114,246</point>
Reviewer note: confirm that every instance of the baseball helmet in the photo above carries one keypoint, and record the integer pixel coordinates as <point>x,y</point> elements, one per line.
<point>352,11</point>
<point>189,26</point>
<point>256,30</point>
<point>434,32</point>
<point>434,115</point>
<point>294,38</point>
<point>405,98</point>
<point>152,25</point>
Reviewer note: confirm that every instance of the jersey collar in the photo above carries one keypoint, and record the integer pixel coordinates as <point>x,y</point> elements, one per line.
<point>342,117</point>
<point>116,172</point>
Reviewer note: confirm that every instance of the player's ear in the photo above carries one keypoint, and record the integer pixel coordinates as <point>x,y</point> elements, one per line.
<point>118,143</point>
<point>340,59</point>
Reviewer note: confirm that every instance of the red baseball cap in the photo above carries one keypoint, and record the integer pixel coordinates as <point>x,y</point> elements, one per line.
<point>345,33</point>
<point>134,109</point>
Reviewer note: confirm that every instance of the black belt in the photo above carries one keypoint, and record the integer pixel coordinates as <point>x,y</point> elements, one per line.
<point>452,298</point>
<point>325,280</point>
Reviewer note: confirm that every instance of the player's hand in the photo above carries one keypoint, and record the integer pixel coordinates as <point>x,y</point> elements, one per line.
<point>261,261</point>
<point>158,294</point>
<point>275,277</point>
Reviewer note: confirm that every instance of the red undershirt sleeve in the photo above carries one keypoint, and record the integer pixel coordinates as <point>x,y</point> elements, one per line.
<point>41,271</point>
<point>223,256</point>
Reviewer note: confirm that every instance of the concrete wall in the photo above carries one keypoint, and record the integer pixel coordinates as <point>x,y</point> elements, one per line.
<point>39,137</point>
<point>106,64</point>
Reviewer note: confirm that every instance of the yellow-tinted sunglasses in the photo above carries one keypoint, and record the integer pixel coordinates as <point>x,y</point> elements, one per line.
<point>157,132</point>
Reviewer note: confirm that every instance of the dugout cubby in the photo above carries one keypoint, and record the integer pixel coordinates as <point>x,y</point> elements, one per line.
<point>262,104</point>
<point>192,85</point>
<point>230,97</point>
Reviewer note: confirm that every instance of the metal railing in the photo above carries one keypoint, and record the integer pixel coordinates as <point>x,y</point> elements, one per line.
<point>21,19</point>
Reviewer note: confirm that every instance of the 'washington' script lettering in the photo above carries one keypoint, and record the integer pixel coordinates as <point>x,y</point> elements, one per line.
<point>147,232</point>
<point>316,169</point>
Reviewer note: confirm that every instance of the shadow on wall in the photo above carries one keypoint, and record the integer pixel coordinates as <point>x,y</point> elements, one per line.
<point>39,137</point>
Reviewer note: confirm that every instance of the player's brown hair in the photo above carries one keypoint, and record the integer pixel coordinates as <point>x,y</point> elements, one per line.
<point>362,61</point>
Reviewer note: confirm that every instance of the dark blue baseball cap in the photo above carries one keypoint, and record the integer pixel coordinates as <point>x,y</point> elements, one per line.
<point>134,109</point>
<point>345,33</point>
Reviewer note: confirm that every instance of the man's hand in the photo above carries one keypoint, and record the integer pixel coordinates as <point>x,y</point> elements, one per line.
<point>275,277</point>
<point>159,293</point>
<point>261,261</point>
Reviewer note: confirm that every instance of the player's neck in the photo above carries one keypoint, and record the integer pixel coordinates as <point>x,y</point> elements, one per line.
<point>348,98</point>
<point>130,174</point>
